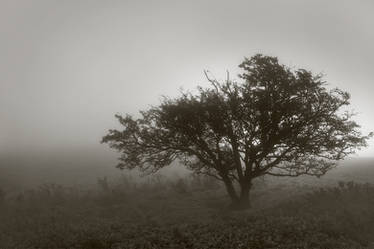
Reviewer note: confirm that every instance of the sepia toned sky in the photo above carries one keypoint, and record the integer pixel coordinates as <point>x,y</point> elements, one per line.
<point>66,67</point>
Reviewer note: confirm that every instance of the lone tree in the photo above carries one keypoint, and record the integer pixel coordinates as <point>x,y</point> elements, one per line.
<point>278,122</point>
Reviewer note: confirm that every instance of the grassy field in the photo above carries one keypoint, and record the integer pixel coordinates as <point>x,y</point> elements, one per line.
<point>188,211</point>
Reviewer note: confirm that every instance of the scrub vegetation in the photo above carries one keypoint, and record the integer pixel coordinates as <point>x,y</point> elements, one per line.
<point>192,212</point>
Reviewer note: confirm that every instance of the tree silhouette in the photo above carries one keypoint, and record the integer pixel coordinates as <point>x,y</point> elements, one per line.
<point>278,122</point>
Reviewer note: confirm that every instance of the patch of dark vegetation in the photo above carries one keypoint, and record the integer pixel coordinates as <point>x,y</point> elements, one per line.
<point>188,213</point>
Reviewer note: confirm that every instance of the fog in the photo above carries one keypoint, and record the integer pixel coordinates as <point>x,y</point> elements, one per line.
<point>66,67</point>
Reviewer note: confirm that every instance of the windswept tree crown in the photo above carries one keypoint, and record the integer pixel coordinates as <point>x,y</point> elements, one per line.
<point>277,121</point>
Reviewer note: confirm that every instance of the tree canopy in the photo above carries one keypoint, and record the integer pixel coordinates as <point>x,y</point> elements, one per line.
<point>276,121</point>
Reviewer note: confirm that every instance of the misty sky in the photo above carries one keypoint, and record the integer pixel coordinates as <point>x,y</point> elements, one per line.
<point>66,67</point>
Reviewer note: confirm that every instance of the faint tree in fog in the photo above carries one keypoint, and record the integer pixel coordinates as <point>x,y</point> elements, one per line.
<point>277,121</point>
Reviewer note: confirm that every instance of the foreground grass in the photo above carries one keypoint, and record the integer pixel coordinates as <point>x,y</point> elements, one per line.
<point>188,213</point>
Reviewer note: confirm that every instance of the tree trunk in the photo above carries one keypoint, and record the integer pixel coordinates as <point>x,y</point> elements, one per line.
<point>230,190</point>
<point>244,201</point>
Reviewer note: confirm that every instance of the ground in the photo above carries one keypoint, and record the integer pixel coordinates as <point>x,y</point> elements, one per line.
<point>336,211</point>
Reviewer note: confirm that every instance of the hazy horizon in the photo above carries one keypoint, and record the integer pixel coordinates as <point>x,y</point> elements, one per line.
<point>67,66</point>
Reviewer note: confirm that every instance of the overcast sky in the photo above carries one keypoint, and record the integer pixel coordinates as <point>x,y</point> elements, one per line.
<point>66,67</point>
